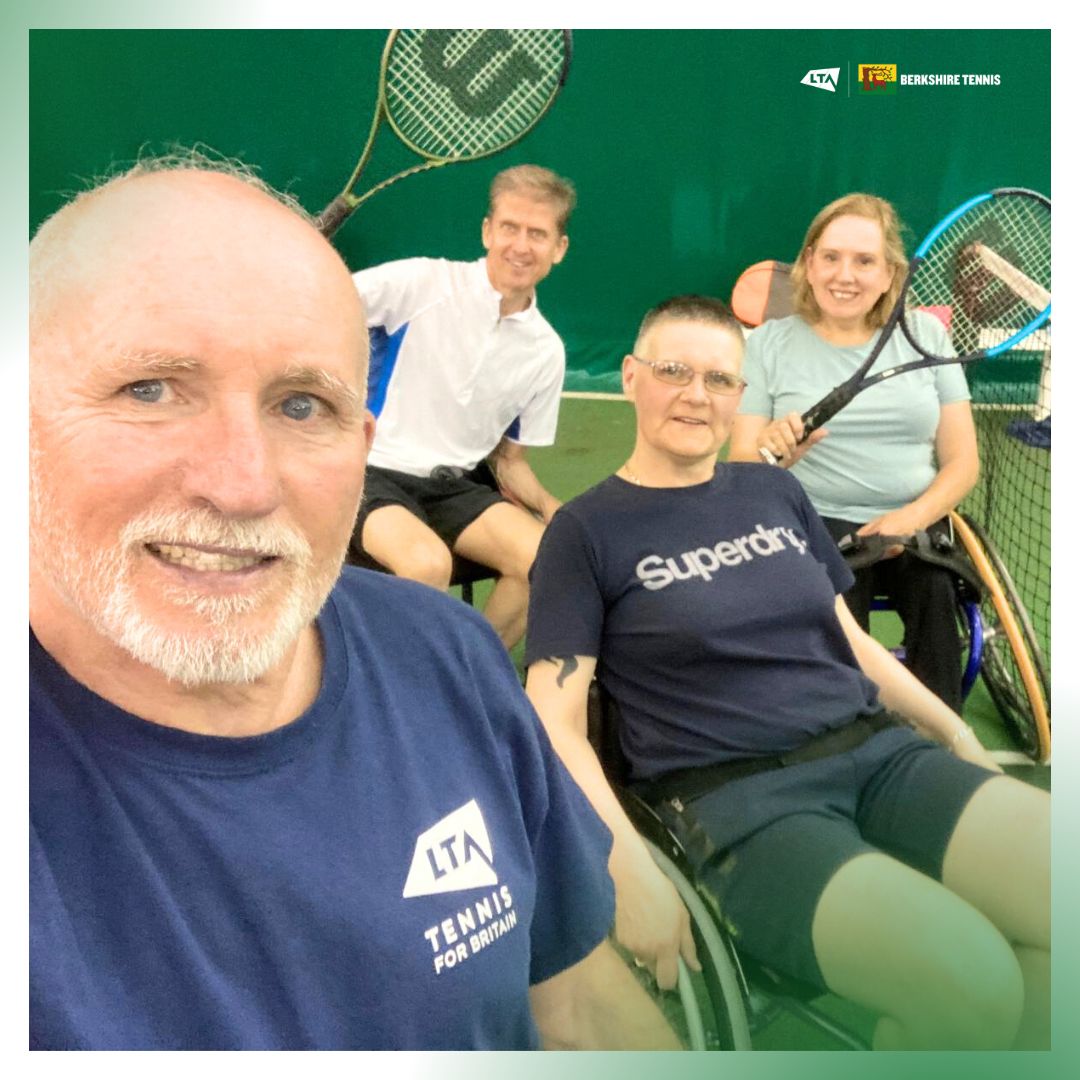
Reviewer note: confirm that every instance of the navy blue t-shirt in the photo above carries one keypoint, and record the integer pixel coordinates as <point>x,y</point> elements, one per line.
<point>391,870</point>
<point>710,610</point>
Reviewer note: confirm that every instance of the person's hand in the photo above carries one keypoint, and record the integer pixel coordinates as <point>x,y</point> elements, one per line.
<point>781,439</point>
<point>901,522</point>
<point>652,922</point>
<point>968,748</point>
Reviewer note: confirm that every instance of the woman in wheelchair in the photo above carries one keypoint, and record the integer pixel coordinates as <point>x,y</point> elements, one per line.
<point>858,836</point>
<point>897,459</point>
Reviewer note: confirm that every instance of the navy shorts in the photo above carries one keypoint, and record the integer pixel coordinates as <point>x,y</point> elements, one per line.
<point>768,844</point>
<point>447,504</point>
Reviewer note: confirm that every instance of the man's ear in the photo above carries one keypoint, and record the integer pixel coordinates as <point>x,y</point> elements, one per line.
<point>560,249</point>
<point>629,373</point>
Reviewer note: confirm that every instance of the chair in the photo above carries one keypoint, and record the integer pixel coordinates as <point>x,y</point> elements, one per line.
<point>465,572</point>
<point>733,998</point>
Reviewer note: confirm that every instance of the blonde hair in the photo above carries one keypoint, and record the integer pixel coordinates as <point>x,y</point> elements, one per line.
<point>857,204</point>
<point>538,183</point>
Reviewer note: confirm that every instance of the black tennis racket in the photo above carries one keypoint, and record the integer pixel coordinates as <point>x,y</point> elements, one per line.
<point>458,95</point>
<point>987,264</point>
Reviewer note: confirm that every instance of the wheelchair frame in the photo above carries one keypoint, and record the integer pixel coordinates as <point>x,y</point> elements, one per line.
<point>1013,666</point>
<point>732,998</point>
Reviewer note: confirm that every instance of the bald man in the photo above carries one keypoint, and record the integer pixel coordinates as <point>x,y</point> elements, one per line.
<point>269,808</point>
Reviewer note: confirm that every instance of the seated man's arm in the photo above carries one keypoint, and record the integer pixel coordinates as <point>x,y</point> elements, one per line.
<point>901,692</point>
<point>518,482</point>
<point>650,919</point>
<point>598,1005</point>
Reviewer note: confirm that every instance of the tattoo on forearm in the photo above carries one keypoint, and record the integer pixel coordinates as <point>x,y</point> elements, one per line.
<point>569,666</point>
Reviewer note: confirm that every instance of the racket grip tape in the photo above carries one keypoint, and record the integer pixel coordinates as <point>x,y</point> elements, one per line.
<point>814,417</point>
<point>333,217</point>
<point>825,410</point>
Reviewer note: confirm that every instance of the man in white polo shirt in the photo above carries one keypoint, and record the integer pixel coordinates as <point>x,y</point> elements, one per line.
<point>465,374</point>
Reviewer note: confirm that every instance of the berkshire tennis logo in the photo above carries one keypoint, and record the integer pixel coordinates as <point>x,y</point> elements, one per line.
<point>822,78</point>
<point>877,79</point>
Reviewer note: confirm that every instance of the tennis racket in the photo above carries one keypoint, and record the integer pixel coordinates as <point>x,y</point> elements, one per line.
<point>987,267</point>
<point>457,95</point>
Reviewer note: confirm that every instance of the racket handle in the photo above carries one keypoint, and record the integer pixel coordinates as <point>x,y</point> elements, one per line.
<point>814,417</point>
<point>334,216</point>
<point>826,409</point>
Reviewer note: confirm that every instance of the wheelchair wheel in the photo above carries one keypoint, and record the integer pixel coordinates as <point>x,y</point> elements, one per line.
<point>1013,668</point>
<point>708,1008</point>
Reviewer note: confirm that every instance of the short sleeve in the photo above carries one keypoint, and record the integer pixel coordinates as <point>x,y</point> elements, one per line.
<point>393,291</point>
<point>575,897</point>
<point>566,607</point>
<point>951,384</point>
<point>538,422</point>
<point>822,545</point>
<point>757,398</point>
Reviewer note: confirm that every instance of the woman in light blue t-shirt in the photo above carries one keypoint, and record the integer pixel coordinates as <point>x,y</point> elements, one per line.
<point>895,460</point>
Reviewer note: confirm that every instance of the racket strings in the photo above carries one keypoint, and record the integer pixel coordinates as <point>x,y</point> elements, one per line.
<point>425,112</point>
<point>986,276</point>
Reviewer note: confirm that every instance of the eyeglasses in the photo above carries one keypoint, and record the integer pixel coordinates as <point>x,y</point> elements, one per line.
<point>679,374</point>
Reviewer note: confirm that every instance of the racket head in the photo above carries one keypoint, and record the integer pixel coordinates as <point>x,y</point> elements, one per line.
<point>459,95</point>
<point>984,271</point>
<point>762,292</point>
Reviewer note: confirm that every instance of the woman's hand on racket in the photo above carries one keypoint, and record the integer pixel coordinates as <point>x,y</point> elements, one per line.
<point>651,921</point>
<point>781,440</point>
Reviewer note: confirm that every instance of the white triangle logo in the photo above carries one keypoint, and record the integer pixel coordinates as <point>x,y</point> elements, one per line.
<point>454,854</point>
<point>822,79</point>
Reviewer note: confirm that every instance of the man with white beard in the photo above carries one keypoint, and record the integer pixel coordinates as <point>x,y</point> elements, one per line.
<point>269,808</point>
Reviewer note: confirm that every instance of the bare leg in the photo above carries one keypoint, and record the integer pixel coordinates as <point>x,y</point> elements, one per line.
<point>999,860</point>
<point>505,538</point>
<point>400,541</point>
<point>898,942</point>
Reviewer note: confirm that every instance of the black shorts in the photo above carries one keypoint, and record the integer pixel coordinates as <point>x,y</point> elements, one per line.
<point>447,504</point>
<point>768,844</point>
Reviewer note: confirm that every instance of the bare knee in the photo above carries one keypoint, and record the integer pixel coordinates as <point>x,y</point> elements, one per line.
<point>430,564</point>
<point>972,996</point>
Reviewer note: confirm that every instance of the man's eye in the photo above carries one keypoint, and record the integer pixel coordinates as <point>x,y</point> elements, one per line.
<point>302,406</point>
<point>148,390</point>
<point>673,371</point>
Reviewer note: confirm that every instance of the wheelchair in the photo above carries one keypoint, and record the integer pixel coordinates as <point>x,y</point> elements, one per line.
<point>994,626</point>
<point>733,999</point>
<point>1013,667</point>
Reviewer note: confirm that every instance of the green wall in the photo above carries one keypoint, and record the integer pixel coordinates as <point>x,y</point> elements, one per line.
<point>695,153</point>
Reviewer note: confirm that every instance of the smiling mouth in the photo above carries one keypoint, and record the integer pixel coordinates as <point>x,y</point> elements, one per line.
<point>689,420</point>
<point>195,558</point>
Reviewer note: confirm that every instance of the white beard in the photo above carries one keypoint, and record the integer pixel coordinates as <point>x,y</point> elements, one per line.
<point>98,586</point>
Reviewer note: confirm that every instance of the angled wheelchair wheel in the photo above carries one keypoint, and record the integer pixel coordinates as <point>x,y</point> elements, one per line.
<point>723,1003</point>
<point>707,1009</point>
<point>1013,668</point>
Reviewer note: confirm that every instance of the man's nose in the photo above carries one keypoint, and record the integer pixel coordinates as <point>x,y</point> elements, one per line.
<point>232,463</point>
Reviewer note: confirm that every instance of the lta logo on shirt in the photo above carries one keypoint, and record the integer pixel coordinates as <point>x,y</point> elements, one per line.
<point>453,855</point>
